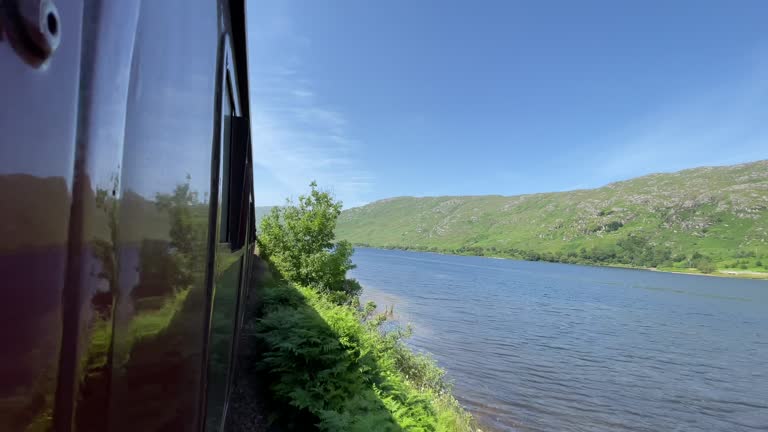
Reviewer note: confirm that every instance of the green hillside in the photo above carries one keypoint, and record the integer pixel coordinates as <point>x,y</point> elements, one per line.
<point>261,212</point>
<point>707,218</point>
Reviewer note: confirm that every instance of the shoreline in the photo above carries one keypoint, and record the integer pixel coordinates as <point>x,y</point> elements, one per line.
<point>730,274</point>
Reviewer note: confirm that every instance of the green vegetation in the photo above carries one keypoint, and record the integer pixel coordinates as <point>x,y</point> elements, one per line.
<point>711,219</point>
<point>168,268</point>
<point>327,361</point>
<point>298,241</point>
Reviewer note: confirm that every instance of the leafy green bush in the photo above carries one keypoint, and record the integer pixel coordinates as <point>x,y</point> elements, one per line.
<point>702,263</point>
<point>328,362</point>
<point>298,240</point>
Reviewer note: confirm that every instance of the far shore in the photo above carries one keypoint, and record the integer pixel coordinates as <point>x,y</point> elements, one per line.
<point>733,274</point>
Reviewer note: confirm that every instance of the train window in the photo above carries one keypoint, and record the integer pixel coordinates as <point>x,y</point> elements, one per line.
<point>233,171</point>
<point>238,193</point>
<point>224,169</point>
<point>252,220</point>
<point>232,155</point>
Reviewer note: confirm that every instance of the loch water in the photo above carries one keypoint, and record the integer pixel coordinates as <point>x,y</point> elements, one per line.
<point>533,346</point>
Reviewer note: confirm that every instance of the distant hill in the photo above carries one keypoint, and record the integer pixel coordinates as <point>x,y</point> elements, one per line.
<point>709,217</point>
<point>261,212</point>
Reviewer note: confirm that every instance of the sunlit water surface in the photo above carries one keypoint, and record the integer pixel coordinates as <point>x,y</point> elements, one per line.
<point>554,347</point>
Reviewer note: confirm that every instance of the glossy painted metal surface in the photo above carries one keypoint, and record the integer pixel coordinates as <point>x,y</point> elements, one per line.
<point>110,185</point>
<point>164,216</point>
<point>37,117</point>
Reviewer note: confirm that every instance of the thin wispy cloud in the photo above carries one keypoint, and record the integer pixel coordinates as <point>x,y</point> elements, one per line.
<point>721,125</point>
<point>296,138</point>
<point>450,106</point>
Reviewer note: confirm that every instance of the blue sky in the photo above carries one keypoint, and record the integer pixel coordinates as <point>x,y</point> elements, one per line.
<point>382,99</point>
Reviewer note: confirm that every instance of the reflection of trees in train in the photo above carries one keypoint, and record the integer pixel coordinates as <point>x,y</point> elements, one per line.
<point>188,233</point>
<point>167,270</point>
<point>159,350</point>
<point>95,363</point>
<point>162,311</point>
<point>31,409</point>
<point>32,260</point>
<point>223,316</point>
<point>105,247</point>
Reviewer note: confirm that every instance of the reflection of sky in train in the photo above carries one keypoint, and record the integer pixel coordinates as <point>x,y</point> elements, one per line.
<point>186,119</point>
<point>182,95</point>
<point>181,91</point>
<point>511,97</point>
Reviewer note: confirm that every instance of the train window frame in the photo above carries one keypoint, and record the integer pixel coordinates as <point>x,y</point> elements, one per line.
<point>227,107</point>
<point>233,159</point>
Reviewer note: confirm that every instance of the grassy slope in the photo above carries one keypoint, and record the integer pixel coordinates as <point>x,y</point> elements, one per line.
<point>718,211</point>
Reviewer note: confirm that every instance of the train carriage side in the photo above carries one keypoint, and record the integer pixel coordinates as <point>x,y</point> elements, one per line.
<point>127,203</point>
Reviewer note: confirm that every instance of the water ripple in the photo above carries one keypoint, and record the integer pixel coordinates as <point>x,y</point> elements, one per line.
<point>552,347</point>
